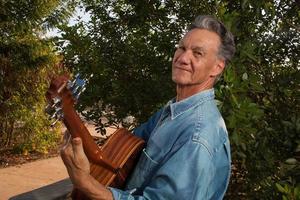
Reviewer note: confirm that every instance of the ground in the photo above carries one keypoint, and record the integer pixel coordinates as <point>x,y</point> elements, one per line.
<point>8,158</point>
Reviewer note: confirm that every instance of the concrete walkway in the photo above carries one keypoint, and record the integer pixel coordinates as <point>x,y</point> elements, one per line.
<point>27,177</point>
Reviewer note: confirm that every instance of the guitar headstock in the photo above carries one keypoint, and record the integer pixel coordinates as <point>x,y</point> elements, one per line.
<point>63,93</point>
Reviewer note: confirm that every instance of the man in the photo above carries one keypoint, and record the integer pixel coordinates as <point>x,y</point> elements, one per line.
<point>187,154</point>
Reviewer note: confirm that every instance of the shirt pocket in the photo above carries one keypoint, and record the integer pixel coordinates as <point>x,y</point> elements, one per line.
<point>143,171</point>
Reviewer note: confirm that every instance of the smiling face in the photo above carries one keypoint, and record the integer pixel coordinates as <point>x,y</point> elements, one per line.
<point>196,63</point>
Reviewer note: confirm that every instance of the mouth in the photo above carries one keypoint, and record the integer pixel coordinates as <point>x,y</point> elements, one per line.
<point>183,68</point>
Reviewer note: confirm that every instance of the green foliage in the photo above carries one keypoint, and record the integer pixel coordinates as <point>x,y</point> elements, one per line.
<point>26,62</point>
<point>289,185</point>
<point>128,46</point>
<point>33,16</point>
<point>289,192</point>
<point>262,107</point>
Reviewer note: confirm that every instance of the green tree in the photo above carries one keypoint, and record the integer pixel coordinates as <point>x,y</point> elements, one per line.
<point>27,59</point>
<point>128,46</point>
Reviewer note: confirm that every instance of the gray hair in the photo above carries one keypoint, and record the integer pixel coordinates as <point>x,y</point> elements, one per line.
<point>227,46</point>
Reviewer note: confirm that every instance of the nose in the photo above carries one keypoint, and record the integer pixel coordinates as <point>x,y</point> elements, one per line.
<point>184,57</point>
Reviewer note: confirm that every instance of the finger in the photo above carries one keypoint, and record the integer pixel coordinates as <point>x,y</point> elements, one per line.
<point>67,160</point>
<point>66,138</point>
<point>80,160</point>
<point>66,152</point>
<point>78,148</point>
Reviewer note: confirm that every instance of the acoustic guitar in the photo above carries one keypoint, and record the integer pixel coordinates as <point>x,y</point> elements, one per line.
<point>112,163</point>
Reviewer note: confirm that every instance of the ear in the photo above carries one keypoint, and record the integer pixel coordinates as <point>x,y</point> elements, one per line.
<point>218,68</point>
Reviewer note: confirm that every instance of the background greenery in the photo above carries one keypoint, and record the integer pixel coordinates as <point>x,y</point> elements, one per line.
<point>128,46</point>
<point>27,60</point>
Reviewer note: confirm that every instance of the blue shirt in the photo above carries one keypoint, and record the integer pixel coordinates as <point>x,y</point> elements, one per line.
<point>187,154</point>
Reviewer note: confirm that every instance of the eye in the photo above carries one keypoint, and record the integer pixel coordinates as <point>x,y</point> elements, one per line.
<point>180,47</point>
<point>198,53</point>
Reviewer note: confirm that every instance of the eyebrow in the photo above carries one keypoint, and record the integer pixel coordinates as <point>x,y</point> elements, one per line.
<point>194,47</point>
<point>197,48</point>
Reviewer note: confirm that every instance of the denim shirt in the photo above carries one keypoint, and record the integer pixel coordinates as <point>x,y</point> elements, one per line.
<point>187,154</point>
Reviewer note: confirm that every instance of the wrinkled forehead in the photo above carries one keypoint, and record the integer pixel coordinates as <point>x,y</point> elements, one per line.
<point>202,38</point>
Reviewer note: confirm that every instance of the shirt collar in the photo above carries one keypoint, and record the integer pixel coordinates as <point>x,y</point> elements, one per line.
<point>177,108</point>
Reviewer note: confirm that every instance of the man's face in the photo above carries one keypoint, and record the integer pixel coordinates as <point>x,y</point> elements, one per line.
<point>195,60</point>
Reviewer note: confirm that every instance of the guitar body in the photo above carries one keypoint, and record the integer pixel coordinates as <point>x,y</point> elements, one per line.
<point>112,163</point>
<point>122,149</point>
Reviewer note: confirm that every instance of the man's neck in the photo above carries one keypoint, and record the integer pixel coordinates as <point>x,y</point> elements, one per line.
<point>185,91</point>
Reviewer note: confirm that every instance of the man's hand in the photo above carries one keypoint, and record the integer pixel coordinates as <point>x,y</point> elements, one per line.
<point>78,168</point>
<point>75,160</point>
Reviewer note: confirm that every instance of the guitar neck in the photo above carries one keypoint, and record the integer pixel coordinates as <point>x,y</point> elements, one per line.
<point>77,129</point>
<point>63,94</point>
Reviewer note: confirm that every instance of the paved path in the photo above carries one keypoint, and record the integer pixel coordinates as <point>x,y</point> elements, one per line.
<point>27,177</point>
<point>23,178</point>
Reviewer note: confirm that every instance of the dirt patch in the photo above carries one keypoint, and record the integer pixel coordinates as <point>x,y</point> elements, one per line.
<point>9,158</point>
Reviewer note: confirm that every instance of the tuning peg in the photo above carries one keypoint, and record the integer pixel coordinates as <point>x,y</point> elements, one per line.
<point>79,93</point>
<point>57,114</point>
<point>52,124</point>
<point>49,109</point>
<point>74,91</point>
<point>78,85</point>
<point>87,79</point>
<point>71,84</point>
<point>56,101</point>
<point>58,117</point>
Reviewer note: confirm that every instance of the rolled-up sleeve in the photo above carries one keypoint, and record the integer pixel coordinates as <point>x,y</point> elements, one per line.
<point>186,173</point>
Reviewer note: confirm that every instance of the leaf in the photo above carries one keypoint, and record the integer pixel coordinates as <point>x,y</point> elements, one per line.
<point>291,161</point>
<point>284,198</point>
<point>245,76</point>
<point>280,188</point>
